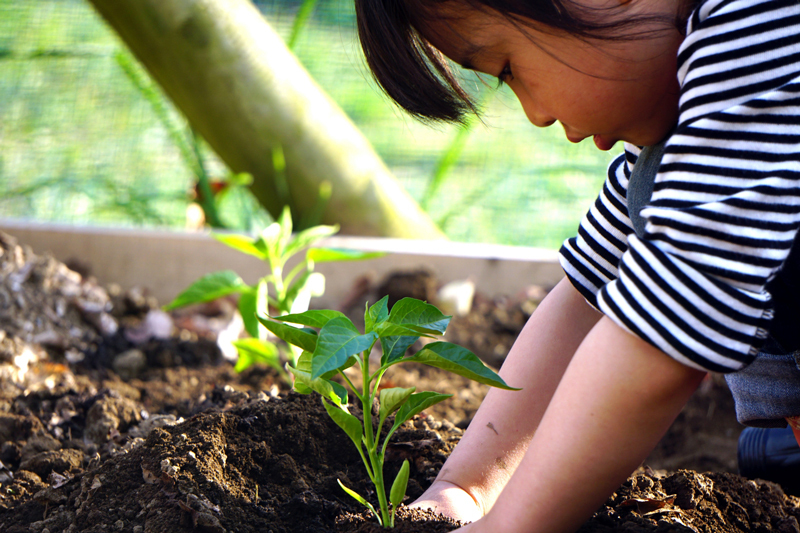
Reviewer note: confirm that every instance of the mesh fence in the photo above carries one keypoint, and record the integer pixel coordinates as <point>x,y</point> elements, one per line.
<point>80,144</point>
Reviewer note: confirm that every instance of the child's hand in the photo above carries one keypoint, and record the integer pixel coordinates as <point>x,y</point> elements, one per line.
<point>450,500</point>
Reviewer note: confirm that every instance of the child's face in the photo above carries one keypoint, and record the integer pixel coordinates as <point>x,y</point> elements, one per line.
<point>607,90</point>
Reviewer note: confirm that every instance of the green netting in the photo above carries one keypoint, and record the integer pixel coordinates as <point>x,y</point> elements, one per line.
<point>80,144</point>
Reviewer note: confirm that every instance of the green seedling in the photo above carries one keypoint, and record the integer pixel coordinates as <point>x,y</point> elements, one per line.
<point>284,294</point>
<point>331,344</point>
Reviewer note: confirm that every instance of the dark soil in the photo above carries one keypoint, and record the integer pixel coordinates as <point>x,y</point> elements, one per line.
<point>117,417</point>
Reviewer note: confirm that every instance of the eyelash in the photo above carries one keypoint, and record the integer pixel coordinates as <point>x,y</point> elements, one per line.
<point>505,75</point>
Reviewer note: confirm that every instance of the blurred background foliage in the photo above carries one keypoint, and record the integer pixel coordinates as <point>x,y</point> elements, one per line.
<point>87,139</point>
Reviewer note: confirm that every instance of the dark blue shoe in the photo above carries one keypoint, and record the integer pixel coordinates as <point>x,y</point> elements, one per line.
<point>772,454</point>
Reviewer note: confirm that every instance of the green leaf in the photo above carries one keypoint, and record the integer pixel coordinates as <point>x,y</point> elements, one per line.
<point>300,388</point>
<point>328,255</point>
<point>395,347</point>
<point>387,329</point>
<point>338,341</point>
<point>304,364</point>
<point>210,287</point>
<point>410,311</point>
<point>376,314</point>
<point>242,243</point>
<point>458,360</point>
<point>357,497</point>
<point>299,337</point>
<point>316,318</point>
<point>323,387</point>
<point>350,424</point>
<point>399,485</point>
<point>417,403</point>
<point>253,351</point>
<point>247,308</point>
<point>392,399</point>
<point>307,237</point>
<point>340,391</point>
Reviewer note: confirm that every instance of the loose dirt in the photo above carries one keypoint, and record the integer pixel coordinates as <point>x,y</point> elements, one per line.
<point>115,416</point>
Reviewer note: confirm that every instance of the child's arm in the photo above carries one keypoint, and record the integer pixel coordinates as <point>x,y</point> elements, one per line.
<point>615,401</point>
<point>495,442</point>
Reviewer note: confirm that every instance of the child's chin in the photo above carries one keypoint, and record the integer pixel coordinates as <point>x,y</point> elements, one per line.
<point>604,143</point>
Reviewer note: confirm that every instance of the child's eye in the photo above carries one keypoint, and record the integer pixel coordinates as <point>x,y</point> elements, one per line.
<point>505,75</point>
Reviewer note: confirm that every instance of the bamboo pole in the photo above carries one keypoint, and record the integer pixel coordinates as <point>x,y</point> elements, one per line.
<point>235,80</point>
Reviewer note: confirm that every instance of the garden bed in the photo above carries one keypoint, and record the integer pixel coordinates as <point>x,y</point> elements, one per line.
<point>117,417</point>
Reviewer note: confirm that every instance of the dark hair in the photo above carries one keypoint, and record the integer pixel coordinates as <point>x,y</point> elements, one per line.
<point>417,76</point>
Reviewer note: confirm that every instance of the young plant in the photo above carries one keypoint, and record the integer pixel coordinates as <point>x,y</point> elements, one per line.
<point>339,345</point>
<point>284,293</point>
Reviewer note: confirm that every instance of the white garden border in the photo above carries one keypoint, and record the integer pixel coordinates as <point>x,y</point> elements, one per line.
<point>165,262</point>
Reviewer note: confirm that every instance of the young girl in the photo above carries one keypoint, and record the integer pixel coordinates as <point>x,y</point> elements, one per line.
<point>685,263</point>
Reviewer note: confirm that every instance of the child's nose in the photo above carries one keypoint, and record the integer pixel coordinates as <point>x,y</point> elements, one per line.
<point>535,115</point>
<point>538,119</point>
<point>541,122</point>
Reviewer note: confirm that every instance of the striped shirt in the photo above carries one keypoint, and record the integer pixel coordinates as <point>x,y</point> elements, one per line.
<point>725,208</point>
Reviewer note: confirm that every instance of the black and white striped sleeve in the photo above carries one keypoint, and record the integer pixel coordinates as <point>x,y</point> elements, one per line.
<point>726,206</point>
<point>591,259</point>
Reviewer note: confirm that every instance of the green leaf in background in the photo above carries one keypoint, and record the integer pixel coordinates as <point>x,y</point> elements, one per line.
<point>314,318</point>
<point>300,21</point>
<point>242,179</point>
<point>252,351</point>
<point>247,308</point>
<point>327,255</point>
<point>307,286</point>
<point>395,347</point>
<point>415,404</point>
<point>284,235</point>
<point>391,400</point>
<point>308,237</point>
<point>262,302</point>
<point>399,485</point>
<point>376,314</point>
<point>269,238</point>
<point>350,424</point>
<point>297,336</point>
<point>410,311</point>
<point>338,341</point>
<point>210,287</point>
<point>458,360</point>
<point>242,243</point>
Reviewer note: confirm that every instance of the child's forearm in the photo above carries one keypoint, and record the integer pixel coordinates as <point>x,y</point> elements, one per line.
<point>498,436</point>
<point>615,401</point>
